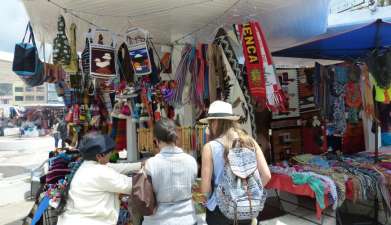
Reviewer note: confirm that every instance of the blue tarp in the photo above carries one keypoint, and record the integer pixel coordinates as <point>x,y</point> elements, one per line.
<point>351,44</point>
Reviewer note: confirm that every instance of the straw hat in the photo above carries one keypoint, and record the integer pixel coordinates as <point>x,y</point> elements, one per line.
<point>220,110</point>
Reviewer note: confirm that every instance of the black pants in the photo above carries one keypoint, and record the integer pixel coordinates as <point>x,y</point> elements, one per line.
<point>217,218</point>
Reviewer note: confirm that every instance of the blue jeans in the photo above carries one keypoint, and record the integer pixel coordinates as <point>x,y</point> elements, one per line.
<point>56,140</point>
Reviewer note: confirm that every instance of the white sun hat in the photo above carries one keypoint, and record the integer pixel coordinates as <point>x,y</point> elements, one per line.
<point>220,110</point>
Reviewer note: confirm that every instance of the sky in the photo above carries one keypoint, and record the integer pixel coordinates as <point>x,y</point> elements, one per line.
<point>13,21</point>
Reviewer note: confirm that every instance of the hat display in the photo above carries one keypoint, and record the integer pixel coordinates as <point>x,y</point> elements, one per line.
<point>220,110</point>
<point>94,144</point>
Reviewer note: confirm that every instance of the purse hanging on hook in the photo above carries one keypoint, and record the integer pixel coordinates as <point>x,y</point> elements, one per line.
<point>138,51</point>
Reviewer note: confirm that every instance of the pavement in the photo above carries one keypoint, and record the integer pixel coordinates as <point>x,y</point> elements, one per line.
<point>18,156</point>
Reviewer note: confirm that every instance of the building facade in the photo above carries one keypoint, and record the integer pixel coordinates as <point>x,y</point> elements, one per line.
<point>13,91</point>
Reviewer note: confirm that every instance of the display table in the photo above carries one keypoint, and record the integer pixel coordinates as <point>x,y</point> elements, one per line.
<point>282,182</point>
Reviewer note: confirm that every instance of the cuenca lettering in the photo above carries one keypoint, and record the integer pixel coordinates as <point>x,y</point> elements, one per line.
<point>250,44</point>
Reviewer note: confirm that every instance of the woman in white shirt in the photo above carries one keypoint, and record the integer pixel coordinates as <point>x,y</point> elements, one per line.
<point>173,172</point>
<point>93,194</point>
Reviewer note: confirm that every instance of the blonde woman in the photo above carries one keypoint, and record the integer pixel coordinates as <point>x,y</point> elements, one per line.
<point>223,130</point>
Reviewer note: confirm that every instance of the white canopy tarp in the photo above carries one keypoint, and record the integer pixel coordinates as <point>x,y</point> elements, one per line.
<point>285,22</point>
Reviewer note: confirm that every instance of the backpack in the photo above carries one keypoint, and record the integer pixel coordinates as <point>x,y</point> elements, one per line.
<point>240,194</point>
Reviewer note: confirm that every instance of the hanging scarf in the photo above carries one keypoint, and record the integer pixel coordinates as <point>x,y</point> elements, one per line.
<point>181,75</point>
<point>261,76</point>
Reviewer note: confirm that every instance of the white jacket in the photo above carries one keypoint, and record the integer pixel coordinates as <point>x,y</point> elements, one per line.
<point>94,193</point>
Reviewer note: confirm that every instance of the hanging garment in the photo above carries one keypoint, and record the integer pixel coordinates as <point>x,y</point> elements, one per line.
<point>61,48</point>
<point>165,62</point>
<point>379,65</point>
<point>353,100</point>
<point>181,75</point>
<point>73,66</point>
<point>337,101</point>
<point>213,78</point>
<point>155,74</point>
<point>367,95</point>
<point>125,68</point>
<point>224,41</point>
<point>262,81</point>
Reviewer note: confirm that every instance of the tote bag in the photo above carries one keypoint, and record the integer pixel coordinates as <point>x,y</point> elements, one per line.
<point>143,198</point>
<point>26,60</point>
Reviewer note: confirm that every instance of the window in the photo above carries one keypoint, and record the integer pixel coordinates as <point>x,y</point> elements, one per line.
<point>19,98</point>
<point>18,89</point>
<point>30,98</point>
<point>6,89</point>
<point>28,89</point>
<point>40,89</point>
<point>40,98</point>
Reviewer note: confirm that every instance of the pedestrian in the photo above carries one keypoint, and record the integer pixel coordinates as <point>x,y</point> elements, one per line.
<point>92,195</point>
<point>2,125</point>
<point>63,132</point>
<point>224,131</point>
<point>173,172</point>
<point>56,133</point>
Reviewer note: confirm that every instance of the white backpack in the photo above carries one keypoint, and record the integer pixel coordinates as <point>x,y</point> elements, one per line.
<point>240,194</point>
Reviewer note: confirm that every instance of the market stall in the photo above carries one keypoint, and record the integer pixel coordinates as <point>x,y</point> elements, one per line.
<point>131,72</point>
<point>339,116</point>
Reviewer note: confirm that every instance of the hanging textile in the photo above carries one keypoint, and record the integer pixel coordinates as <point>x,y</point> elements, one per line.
<point>181,75</point>
<point>261,77</point>
<point>125,69</point>
<point>367,96</point>
<point>288,81</point>
<point>61,48</point>
<point>306,90</point>
<point>222,39</point>
<point>73,66</point>
<point>102,59</point>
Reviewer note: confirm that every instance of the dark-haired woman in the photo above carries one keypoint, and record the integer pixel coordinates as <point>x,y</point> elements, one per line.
<point>173,172</point>
<point>92,197</point>
<point>223,130</point>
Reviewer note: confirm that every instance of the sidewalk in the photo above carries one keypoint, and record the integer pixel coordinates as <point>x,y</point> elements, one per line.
<point>12,214</point>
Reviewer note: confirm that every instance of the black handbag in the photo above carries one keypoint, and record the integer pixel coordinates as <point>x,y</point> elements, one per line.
<point>26,61</point>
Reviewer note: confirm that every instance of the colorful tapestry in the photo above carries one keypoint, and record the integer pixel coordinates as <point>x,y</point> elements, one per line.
<point>306,90</point>
<point>288,80</point>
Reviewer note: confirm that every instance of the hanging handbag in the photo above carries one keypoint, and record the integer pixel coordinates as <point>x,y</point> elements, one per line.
<point>61,48</point>
<point>138,51</point>
<point>39,78</point>
<point>143,198</point>
<point>73,66</point>
<point>102,59</point>
<point>26,59</point>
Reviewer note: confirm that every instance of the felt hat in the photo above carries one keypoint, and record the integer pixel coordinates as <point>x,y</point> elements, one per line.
<point>220,110</point>
<point>94,144</point>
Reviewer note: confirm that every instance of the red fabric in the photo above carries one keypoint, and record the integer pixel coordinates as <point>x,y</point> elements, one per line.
<point>284,183</point>
<point>120,137</point>
<point>349,190</point>
<point>310,144</point>
<point>254,61</point>
<point>353,139</point>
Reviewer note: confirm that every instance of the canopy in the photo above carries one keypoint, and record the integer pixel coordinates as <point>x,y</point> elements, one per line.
<point>352,44</point>
<point>186,20</point>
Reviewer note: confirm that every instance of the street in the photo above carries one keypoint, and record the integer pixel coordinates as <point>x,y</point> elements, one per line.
<point>17,157</point>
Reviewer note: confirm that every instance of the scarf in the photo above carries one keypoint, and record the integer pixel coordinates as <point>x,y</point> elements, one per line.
<point>261,76</point>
